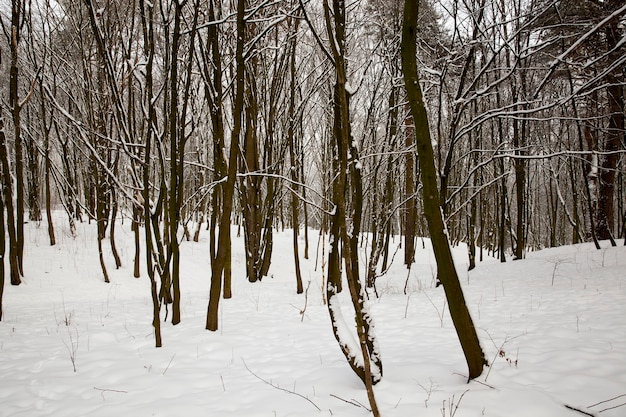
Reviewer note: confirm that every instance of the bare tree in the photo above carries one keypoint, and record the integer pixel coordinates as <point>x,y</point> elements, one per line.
<point>432,209</point>
<point>223,243</point>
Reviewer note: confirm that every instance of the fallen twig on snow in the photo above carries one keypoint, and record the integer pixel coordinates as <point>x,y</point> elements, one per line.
<point>103,390</point>
<point>569,407</point>
<point>351,402</point>
<point>609,400</point>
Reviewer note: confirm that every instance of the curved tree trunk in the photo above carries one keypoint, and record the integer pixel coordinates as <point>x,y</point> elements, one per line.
<point>364,359</point>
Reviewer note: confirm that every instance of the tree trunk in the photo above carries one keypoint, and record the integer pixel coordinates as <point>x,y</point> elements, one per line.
<point>223,245</point>
<point>147,23</point>
<point>113,195</point>
<point>432,209</point>
<point>135,229</point>
<point>47,166</point>
<point>348,192</point>
<point>614,134</point>
<point>2,245</point>
<point>295,201</point>
<point>7,194</point>
<point>410,215</point>
<point>16,21</point>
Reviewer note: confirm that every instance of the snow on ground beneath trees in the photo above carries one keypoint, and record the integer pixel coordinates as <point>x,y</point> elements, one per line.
<point>552,327</point>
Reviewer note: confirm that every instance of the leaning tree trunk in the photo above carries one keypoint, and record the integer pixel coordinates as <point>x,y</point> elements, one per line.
<point>432,209</point>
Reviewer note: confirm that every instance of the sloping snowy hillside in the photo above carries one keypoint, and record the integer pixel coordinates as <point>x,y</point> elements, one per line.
<point>553,327</point>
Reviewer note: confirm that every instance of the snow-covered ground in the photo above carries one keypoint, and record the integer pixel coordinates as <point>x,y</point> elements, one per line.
<point>553,328</point>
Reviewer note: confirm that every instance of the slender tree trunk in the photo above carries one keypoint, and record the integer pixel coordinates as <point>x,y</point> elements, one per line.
<point>295,201</point>
<point>135,226</point>
<point>7,194</point>
<point>113,194</point>
<point>410,215</point>
<point>2,245</point>
<point>148,34</point>
<point>47,166</point>
<point>432,209</point>
<point>16,20</point>
<point>347,189</point>
<point>223,250</point>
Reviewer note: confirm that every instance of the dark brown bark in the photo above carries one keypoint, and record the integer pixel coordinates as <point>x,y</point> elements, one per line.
<point>148,45</point>
<point>7,194</point>
<point>2,244</point>
<point>176,183</point>
<point>224,243</point>
<point>113,204</point>
<point>347,190</point>
<point>16,21</point>
<point>135,226</point>
<point>32,180</point>
<point>432,208</point>
<point>46,127</point>
<point>410,214</point>
<point>214,96</point>
<point>295,201</point>
<point>614,134</point>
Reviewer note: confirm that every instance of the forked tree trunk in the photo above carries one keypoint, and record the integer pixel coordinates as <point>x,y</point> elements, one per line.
<point>348,192</point>
<point>222,257</point>
<point>432,209</point>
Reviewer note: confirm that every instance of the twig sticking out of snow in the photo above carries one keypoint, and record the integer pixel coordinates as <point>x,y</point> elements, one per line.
<point>168,365</point>
<point>279,388</point>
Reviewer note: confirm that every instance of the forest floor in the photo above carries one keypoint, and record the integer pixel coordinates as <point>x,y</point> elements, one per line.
<point>553,327</point>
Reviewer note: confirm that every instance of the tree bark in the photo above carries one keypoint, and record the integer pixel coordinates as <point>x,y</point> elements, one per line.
<point>148,45</point>
<point>614,134</point>
<point>7,194</point>
<point>47,166</point>
<point>223,250</point>
<point>2,245</point>
<point>432,208</point>
<point>16,20</point>
<point>347,189</point>
<point>410,215</point>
